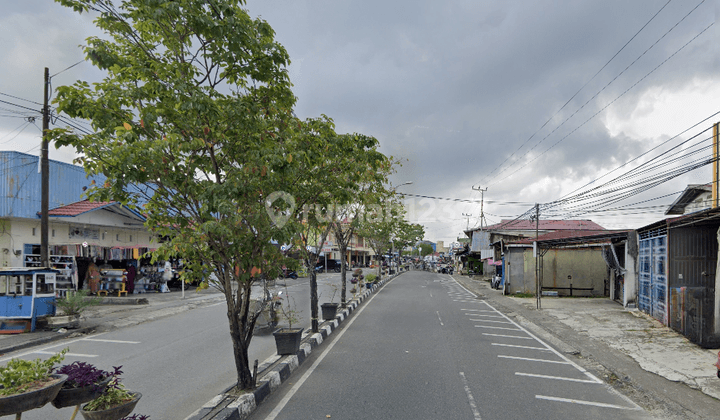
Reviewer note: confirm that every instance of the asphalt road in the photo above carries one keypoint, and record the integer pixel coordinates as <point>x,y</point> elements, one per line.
<point>426,348</point>
<point>179,362</point>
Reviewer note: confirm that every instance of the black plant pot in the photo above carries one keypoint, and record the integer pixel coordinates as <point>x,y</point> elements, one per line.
<point>18,403</point>
<point>329,311</point>
<point>68,397</point>
<point>113,413</point>
<point>369,285</point>
<point>287,340</point>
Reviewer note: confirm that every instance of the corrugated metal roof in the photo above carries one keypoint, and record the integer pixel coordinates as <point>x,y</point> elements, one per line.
<point>572,236</point>
<point>576,225</point>
<point>20,188</point>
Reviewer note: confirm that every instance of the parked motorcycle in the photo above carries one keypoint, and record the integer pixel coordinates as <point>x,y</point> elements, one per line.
<point>268,308</point>
<point>288,274</point>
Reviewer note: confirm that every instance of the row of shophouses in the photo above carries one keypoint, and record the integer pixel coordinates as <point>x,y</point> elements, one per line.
<point>666,269</point>
<point>81,231</point>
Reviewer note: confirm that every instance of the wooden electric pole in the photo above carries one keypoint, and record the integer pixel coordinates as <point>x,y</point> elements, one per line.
<point>45,177</point>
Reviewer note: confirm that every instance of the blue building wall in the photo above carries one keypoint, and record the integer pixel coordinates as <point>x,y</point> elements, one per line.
<point>20,186</point>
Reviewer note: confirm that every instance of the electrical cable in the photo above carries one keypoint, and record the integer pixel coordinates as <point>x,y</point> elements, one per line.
<point>22,99</point>
<point>81,61</point>
<point>578,91</point>
<point>606,106</point>
<point>645,153</point>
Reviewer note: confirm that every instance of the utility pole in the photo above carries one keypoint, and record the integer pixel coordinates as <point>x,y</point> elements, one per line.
<point>45,177</point>
<point>538,292</point>
<point>467,227</point>
<point>482,203</point>
<point>716,167</point>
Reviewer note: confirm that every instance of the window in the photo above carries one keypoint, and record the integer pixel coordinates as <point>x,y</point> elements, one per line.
<point>44,287</point>
<point>33,232</point>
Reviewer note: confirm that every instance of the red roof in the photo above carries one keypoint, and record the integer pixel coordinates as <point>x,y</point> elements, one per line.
<point>78,208</point>
<point>576,225</point>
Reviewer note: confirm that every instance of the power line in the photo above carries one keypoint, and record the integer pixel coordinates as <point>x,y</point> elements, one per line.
<point>603,108</point>
<point>464,200</point>
<point>68,68</point>
<point>578,91</point>
<point>21,106</point>
<point>22,99</point>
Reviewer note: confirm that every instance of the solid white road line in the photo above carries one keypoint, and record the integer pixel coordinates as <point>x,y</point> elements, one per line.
<point>67,354</point>
<point>473,406</point>
<point>489,320</point>
<point>486,316</point>
<point>581,402</point>
<point>559,378</point>
<point>508,336</point>
<point>529,359</point>
<point>111,341</point>
<point>62,344</point>
<point>520,347</point>
<point>497,328</point>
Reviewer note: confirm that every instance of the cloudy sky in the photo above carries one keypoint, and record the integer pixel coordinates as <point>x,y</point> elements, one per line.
<point>532,100</point>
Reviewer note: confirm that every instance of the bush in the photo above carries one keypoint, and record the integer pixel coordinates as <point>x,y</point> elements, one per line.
<point>370,278</point>
<point>74,303</point>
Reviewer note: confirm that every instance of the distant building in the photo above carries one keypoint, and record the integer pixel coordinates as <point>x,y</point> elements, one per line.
<point>486,243</point>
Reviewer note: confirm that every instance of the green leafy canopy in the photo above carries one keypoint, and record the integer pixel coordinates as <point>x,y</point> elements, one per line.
<point>193,126</point>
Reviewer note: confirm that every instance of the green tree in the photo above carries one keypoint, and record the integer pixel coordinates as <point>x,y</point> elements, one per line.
<point>425,249</point>
<point>407,234</point>
<point>193,126</point>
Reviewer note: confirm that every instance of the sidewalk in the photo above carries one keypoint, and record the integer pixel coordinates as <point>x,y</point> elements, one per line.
<point>116,312</point>
<point>654,347</point>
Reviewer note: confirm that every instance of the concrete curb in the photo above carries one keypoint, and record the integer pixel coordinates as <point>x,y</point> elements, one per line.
<point>277,369</point>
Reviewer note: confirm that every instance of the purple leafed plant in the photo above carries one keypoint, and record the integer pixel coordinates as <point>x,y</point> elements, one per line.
<point>81,374</point>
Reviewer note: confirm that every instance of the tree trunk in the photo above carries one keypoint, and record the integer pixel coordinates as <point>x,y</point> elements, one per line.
<point>343,274</point>
<point>314,302</point>
<point>240,347</point>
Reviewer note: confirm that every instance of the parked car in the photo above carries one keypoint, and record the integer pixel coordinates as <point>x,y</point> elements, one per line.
<point>332,265</point>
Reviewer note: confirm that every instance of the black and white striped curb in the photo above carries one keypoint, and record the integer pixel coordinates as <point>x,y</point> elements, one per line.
<point>276,369</point>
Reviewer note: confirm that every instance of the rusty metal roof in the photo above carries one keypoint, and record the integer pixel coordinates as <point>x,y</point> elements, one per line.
<point>76,209</point>
<point>554,225</point>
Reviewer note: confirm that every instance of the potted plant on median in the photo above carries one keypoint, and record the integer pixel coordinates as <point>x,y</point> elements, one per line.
<point>85,382</point>
<point>114,403</point>
<point>26,385</point>
<point>329,310</point>
<point>370,279</point>
<point>287,340</point>
<point>72,306</point>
